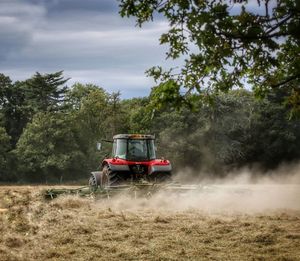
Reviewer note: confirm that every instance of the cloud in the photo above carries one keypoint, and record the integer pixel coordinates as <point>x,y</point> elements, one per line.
<point>102,6</point>
<point>17,22</point>
<point>128,83</point>
<point>87,39</point>
<point>13,38</point>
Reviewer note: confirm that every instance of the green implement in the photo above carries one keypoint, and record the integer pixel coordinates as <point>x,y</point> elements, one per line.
<point>143,189</point>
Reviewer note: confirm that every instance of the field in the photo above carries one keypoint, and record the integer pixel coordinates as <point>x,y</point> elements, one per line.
<point>197,227</point>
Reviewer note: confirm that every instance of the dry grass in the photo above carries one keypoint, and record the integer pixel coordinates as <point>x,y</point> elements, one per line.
<point>71,228</point>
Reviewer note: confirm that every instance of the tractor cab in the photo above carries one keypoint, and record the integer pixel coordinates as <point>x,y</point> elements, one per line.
<point>134,147</point>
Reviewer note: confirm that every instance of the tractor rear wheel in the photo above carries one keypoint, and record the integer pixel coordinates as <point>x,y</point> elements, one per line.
<point>110,178</point>
<point>104,178</point>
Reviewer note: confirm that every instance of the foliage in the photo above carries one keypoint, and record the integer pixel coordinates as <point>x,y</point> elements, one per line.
<point>45,92</point>
<point>79,91</point>
<point>48,148</point>
<point>272,137</point>
<point>4,155</point>
<point>224,44</point>
<point>117,120</point>
<point>91,124</point>
<point>237,131</point>
<point>20,101</point>
<point>13,109</point>
<point>139,117</point>
<point>57,142</point>
<point>214,136</point>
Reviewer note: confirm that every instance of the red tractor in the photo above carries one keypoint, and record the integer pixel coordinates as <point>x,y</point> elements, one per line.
<point>133,160</point>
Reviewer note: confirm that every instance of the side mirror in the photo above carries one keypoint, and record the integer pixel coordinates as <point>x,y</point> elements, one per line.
<point>99,146</point>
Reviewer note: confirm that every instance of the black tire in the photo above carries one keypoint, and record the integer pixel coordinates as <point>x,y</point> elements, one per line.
<point>95,180</point>
<point>110,178</point>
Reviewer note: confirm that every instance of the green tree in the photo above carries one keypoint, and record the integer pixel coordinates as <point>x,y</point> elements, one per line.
<point>14,113</point>
<point>45,92</point>
<point>99,115</point>
<point>93,113</point>
<point>116,120</point>
<point>21,100</point>
<point>272,138</point>
<point>5,85</point>
<point>207,139</point>
<point>5,148</point>
<point>138,116</point>
<point>49,149</point>
<point>91,123</point>
<point>78,92</point>
<point>225,44</point>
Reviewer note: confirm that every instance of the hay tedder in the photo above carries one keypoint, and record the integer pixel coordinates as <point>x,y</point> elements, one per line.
<point>133,168</point>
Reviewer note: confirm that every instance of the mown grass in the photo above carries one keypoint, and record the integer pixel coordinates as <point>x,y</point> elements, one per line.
<point>71,228</point>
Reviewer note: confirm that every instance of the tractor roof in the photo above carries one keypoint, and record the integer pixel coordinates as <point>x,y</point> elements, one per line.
<point>135,136</point>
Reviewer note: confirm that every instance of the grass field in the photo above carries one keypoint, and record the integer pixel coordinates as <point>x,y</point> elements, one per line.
<point>72,228</point>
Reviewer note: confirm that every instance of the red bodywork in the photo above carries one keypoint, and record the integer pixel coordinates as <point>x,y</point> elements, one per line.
<point>139,168</point>
<point>150,163</point>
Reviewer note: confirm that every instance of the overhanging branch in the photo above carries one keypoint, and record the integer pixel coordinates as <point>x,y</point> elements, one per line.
<point>287,80</point>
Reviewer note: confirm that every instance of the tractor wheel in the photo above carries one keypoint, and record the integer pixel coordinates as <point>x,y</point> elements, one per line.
<point>95,180</point>
<point>110,178</point>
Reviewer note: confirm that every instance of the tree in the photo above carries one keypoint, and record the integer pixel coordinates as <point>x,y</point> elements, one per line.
<point>93,113</point>
<point>92,124</point>
<point>4,155</point>
<point>117,116</point>
<point>208,139</point>
<point>13,109</point>
<point>237,131</point>
<point>272,138</point>
<point>78,92</point>
<point>5,85</point>
<point>21,100</point>
<point>45,92</point>
<point>98,116</point>
<point>225,44</point>
<point>49,149</point>
<point>138,117</point>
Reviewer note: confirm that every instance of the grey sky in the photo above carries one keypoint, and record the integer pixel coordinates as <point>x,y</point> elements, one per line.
<point>87,39</point>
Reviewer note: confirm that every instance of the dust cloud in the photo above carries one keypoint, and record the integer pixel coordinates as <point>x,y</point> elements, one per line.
<point>242,191</point>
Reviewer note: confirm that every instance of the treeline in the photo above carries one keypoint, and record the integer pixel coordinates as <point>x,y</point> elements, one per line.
<point>48,131</point>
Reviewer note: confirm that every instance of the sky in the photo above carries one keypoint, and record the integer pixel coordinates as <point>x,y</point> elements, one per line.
<point>87,39</point>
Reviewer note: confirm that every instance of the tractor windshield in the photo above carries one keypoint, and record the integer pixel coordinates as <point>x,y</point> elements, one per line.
<point>120,148</point>
<point>134,149</point>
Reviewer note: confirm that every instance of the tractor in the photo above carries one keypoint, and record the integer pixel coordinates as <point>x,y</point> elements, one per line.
<point>133,161</point>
